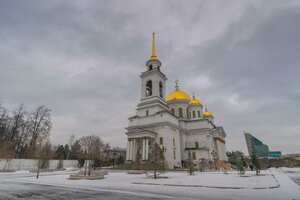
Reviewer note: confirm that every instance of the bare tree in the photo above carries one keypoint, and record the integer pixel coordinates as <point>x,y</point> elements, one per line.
<point>21,130</point>
<point>40,126</point>
<point>92,148</point>
<point>255,162</point>
<point>156,162</point>
<point>190,164</point>
<point>7,152</point>
<point>215,158</point>
<point>77,153</point>
<point>43,153</point>
<point>137,163</point>
<point>106,152</point>
<point>240,167</point>
<point>60,163</point>
<point>71,140</point>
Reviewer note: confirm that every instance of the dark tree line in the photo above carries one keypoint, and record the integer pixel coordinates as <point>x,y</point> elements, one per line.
<point>93,149</point>
<point>22,132</point>
<point>25,134</point>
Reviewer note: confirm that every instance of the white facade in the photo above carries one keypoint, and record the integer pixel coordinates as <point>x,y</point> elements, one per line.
<point>177,125</point>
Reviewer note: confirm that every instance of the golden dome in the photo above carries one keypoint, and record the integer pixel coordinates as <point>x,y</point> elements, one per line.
<point>178,94</point>
<point>195,101</point>
<point>206,113</point>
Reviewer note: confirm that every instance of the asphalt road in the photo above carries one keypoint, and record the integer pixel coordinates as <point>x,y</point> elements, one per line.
<point>296,180</point>
<point>295,176</point>
<point>24,191</point>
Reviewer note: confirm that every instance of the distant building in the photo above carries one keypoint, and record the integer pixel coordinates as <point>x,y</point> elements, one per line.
<point>275,154</point>
<point>255,145</point>
<point>295,156</point>
<point>234,155</point>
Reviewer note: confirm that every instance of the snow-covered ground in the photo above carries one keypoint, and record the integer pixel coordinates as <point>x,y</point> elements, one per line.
<point>272,184</point>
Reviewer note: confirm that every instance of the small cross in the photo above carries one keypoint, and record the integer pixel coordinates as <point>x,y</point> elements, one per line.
<point>176,84</point>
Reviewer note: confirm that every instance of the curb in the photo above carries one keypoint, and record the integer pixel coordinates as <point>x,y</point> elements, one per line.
<point>203,186</point>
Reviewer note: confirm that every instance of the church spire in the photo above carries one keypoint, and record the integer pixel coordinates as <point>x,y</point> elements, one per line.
<point>153,56</point>
<point>153,62</point>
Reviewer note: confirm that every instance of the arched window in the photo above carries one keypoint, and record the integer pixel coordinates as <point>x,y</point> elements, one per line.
<point>180,112</point>
<point>149,88</point>
<point>150,67</point>
<point>199,113</point>
<point>172,111</point>
<point>194,114</point>
<point>160,89</point>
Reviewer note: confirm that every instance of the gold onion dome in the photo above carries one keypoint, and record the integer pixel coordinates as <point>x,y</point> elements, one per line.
<point>206,113</point>
<point>178,94</point>
<point>194,100</point>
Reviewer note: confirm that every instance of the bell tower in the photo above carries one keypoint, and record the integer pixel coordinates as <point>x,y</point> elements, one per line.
<point>153,86</point>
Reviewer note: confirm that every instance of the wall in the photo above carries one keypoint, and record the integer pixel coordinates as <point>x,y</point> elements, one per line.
<point>169,133</point>
<point>28,164</point>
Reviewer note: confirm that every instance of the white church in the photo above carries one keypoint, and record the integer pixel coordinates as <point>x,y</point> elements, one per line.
<point>175,121</point>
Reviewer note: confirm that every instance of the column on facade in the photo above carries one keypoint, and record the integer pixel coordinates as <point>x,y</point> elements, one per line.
<point>147,149</point>
<point>224,152</point>
<point>144,147</point>
<point>128,150</point>
<point>131,149</point>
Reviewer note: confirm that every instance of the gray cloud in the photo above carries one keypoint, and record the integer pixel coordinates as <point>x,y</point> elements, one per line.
<point>83,59</point>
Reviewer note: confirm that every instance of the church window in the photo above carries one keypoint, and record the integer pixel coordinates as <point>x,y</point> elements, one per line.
<point>194,114</point>
<point>174,155</point>
<point>194,155</point>
<point>199,113</point>
<point>196,144</point>
<point>149,88</point>
<point>160,89</point>
<point>173,141</point>
<point>180,112</point>
<point>161,140</point>
<point>147,112</point>
<point>172,111</point>
<point>150,67</point>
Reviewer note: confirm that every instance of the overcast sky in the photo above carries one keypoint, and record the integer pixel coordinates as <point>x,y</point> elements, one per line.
<point>82,59</point>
